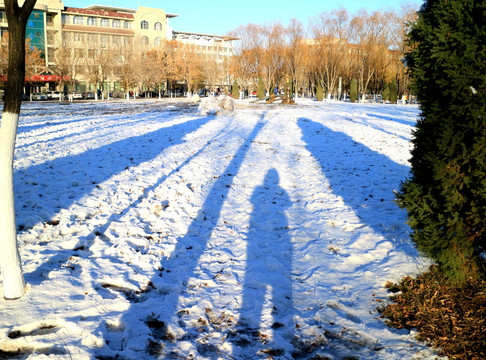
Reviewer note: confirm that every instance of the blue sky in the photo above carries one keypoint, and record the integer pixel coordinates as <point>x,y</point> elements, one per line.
<point>221,16</point>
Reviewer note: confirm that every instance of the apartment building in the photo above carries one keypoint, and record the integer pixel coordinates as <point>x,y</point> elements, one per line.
<point>99,28</point>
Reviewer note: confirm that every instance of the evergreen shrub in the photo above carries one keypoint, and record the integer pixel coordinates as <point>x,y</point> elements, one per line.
<point>260,89</point>
<point>445,196</point>
<point>235,90</point>
<point>386,93</point>
<point>319,93</point>
<point>353,93</point>
<point>393,96</point>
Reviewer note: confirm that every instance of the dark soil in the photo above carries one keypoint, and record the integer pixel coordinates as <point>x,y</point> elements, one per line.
<point>449,317</point>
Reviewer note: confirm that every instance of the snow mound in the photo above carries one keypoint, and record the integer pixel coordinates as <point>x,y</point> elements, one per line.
<point>217,105</point>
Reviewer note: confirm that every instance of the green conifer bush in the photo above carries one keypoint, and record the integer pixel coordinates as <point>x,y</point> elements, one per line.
<point>260,89</point>
<point>235,90</point>
<point>393,95</point>
<point>319,93</point>
<point>445,196</point>
<point>353,93</point>
<point>386,93</point>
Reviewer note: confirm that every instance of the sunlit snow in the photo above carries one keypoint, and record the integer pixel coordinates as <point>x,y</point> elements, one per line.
<point>150,231</point>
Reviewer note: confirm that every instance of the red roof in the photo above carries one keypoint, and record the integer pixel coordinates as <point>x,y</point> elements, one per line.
<point>111,14</point>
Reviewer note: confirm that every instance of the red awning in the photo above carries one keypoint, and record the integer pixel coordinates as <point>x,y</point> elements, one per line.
<point>40,78</point>
<point>45,78</point>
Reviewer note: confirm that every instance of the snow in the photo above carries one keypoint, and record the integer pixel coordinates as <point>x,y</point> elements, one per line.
<point>148,230</point>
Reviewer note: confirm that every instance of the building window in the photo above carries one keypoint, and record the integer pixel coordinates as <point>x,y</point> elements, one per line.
<point>51,54</point>
<point>92,38</point>
<point>127,40</point>
<point>104,39</point>
<point>50,37</point>
<point>78,37</point>
<point>78,20</point>
<point>116,24</point>
<point>116,40</point>
<point>144,25</point>
<point>104,22</point>
<point>158,26</point>
<point>127,24</point>
<point>91,53</point>
<point>145,40</point>
<point>157,41</point>
<point>50,19</point>
<point>91,21</point>
<point>79,53</point>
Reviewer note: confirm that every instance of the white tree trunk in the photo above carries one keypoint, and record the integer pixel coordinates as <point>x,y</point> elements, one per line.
<point>13,278</point>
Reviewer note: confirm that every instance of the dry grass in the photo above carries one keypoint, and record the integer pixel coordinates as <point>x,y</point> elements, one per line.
<point>449,317</point>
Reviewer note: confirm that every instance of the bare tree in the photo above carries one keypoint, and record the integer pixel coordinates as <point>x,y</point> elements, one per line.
<point>157,57</point>
<point>170,51</point>
<point>246,64</point>
<point>4,55</point>
<point>127,58</point>
<point>212,71</point>
<point>34,63</point>
<point>331,49</point>
<point>295,52</point>
<point>13,278</point>
<point>372,44</point>
<point>189,64</point>
<point>407,15</point>
<point>99,65</point>
<point>273,57</point>
<point>67,60</point>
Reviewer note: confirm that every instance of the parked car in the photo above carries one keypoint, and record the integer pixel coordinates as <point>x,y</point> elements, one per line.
<point>39,96</point>
<point>117,94</point>
<point>77,95</point>
<point>25,97</point>
<point>53,95</point>
<point>149,94</point>
<point>88,95</point>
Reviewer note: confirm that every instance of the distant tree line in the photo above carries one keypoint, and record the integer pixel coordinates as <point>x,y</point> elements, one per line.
<point>336,48</point>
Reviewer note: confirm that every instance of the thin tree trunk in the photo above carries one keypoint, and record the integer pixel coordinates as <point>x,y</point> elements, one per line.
<point>13,278</point>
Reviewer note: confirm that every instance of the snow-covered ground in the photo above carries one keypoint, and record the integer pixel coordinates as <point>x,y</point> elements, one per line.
<point>149,231</point>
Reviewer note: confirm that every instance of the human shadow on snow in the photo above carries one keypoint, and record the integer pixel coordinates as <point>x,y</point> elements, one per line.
<point>268,278</point>
<point>170,283</point>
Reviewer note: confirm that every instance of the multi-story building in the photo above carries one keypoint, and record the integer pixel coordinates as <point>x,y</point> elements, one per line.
<point>97,28</point>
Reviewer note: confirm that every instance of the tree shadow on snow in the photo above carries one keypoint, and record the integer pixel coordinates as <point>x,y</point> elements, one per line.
<point>161,309</point>
<point>360,176</point>
<point>41,186</point>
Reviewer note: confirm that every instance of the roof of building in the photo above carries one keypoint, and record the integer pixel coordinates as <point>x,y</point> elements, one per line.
<point>110,8</point>
<point>98,12</point>
<point>200,36</point>
<point>120,9</point>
